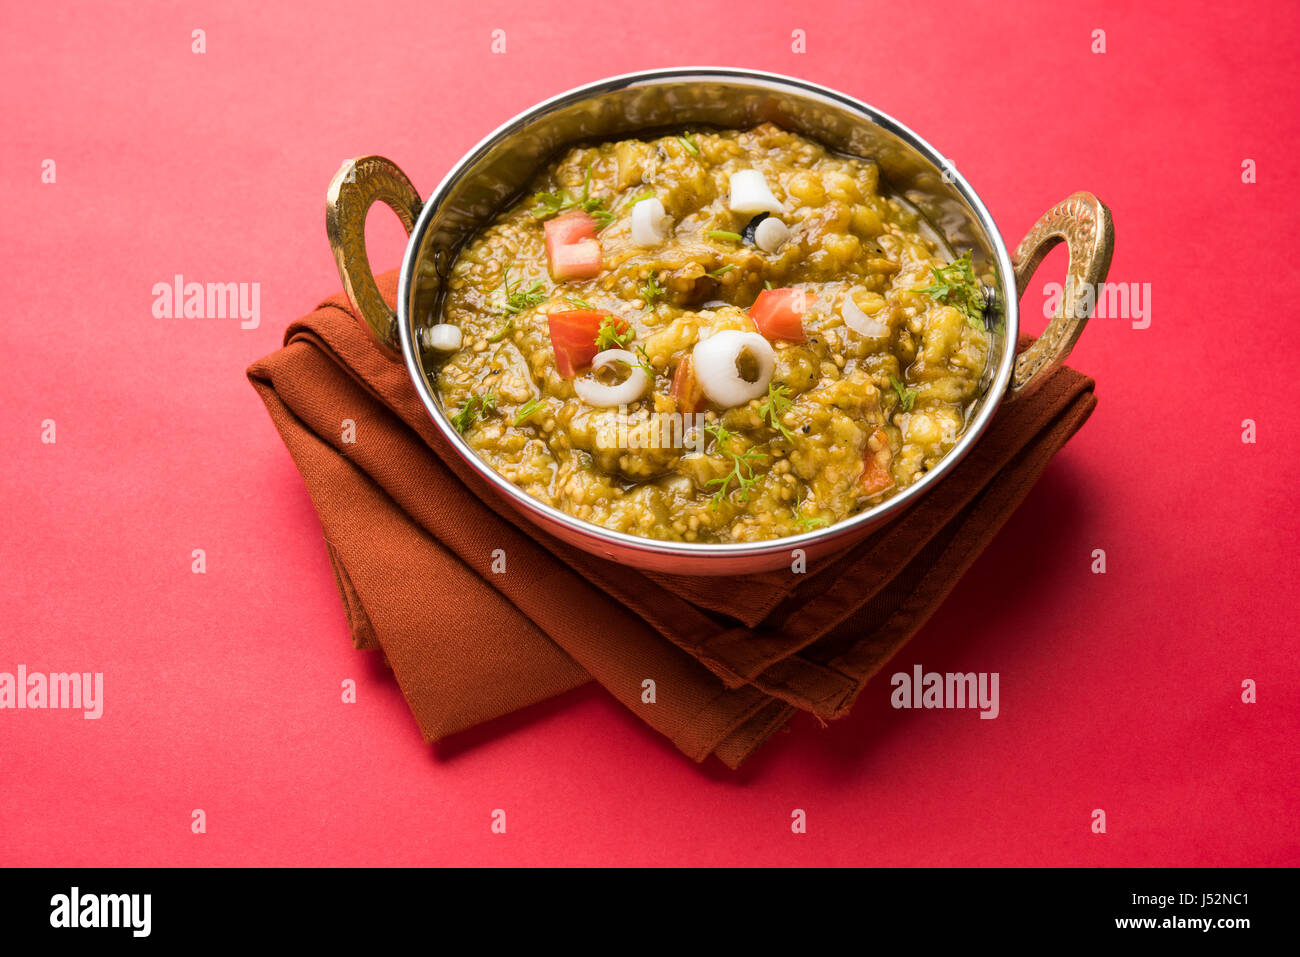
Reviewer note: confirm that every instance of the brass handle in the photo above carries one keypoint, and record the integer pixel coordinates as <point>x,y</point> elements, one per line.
<point>354,189</point>
<point>1083,222</point>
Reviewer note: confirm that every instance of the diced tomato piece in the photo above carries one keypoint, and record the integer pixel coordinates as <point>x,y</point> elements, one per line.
<point>779,313</point>
<point>875,473</point>
<point>573,337</point>
<point>569,228</point>
<point>686,387</point>
<point>580,260</point>
<point>572,249</point>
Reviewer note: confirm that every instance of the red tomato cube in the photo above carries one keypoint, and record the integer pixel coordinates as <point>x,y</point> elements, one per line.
<point>572,250</point>
<point>779,313</point>
<point>580,260</point>
<point>573,337</point>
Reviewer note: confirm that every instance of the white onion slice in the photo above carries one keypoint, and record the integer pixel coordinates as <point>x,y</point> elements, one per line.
<point>444,337</point>
<point>649,222</point>
<point>717,366</point>
<point>771,234</point>
<point>601,396</point>
<point>750,194</point>
<point>859,321</point>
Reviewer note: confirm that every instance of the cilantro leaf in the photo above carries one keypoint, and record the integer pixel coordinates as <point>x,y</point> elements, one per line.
<point>609,336</point>
<point>956,285</point>
<point>777,403</point>
<point>906,396</point>
<point>742,467</point>
<point>474,407</point>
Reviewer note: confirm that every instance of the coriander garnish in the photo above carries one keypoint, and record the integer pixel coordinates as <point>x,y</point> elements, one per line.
<point>594,206</point>
<point>724,234</point>
<point>518,300</point>
<point>742,467</point>
<point>549,204</point>
<point>609,336</point>
<point>809,522</point>
<point>688,140</point>
<point>475,406</point>
<point>579,302</point>
<point>644,361</point>
<point>956,285</point>
<point>776,404</point>
<point>906,396</point>
<point>527,409</point>
<point>651,291</point>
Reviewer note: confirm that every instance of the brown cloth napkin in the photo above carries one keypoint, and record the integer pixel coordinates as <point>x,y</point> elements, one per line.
<point>411,532</point>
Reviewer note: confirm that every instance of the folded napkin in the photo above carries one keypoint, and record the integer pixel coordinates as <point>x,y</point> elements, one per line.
<point>412,533</point>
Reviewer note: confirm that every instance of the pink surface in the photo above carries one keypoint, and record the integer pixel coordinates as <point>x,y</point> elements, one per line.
<point>1119,691</point>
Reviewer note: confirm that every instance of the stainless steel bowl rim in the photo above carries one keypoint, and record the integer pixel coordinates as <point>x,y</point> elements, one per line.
<point>822,538</point>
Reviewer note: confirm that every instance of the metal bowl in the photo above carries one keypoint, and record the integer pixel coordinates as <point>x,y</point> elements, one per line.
<point>495,171</point>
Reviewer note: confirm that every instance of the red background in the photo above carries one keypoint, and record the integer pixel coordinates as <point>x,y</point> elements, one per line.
<point>1118,691</point>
